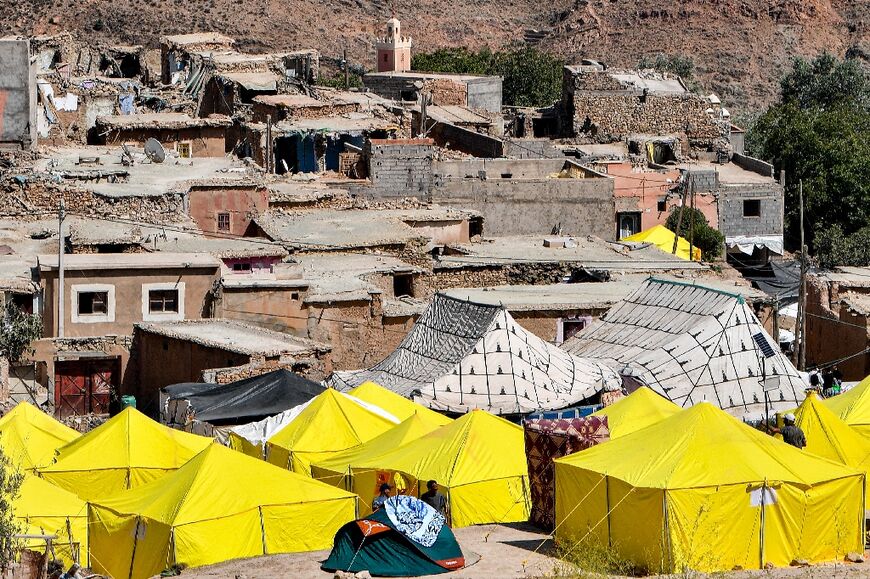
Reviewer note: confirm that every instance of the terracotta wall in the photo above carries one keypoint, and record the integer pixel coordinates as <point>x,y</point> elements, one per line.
<point>242,203</point>
<point>163,361</point>
<point>204,142</point>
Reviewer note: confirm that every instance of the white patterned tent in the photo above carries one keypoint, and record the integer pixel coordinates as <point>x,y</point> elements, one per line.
<point>691,343</point>
<point>462,355</point>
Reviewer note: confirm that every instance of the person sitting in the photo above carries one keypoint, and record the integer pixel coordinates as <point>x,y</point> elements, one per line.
<point>379,501</point>
<point>434,499</point>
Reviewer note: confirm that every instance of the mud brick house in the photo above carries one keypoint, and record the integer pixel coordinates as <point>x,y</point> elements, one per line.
<point>299,106</point>
<point>189,137</point>
<point>838,320</point>
<point>228,93</point>
<point>472,91</point>
<point>609,104</point>
<point>173,352</point>
<point>226,206</point>
<point>104,296</point>
<point>175,52</point>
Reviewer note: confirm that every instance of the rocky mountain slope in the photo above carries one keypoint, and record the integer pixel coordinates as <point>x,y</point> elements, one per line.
<point>739,47</point>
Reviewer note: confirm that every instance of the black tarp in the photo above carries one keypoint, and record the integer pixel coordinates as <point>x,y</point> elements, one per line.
<point>776,278</point>
<point>245,400</point>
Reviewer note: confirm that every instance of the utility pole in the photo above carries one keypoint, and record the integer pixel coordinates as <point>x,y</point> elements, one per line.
<point>803,290</point>
<point>269,165</point>
<point>61,213</point>
<point>692,228</point>
<point>686,185</point>
<point>776,319</point>
<point>346,71</point>
<point>424,97</point>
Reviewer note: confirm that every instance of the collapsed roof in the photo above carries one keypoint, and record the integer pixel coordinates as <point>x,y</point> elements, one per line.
<point>692,343</point>
<point>462,355</point>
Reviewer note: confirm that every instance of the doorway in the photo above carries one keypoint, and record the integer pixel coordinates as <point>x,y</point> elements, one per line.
<point>627,224</point>
<point>85,386</point>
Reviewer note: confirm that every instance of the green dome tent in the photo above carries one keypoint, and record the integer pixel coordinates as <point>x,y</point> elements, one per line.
<point>378,545</point>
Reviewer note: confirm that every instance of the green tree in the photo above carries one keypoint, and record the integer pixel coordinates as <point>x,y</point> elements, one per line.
<point>531,78</point>
<point>819,133</point>
<point>10,484</point>
<point>17,330</point>
<point>706,238</point>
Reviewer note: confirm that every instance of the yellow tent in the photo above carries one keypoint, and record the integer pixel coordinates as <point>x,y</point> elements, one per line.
<point>127,451</point>
<point>221,505</point>
<point>831,438</point>
<point>637,410</point>
<point>703,491</point>
<point>479,461</point>
<point>43,508</point>
<point>29,436</point>
<point>663,238</point>
<point>331,423</point>
<point>853,406</point>
<point>335,469</point>
<point>398,406</point>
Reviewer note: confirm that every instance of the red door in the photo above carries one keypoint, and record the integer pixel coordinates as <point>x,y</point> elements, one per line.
<point>84,386</point>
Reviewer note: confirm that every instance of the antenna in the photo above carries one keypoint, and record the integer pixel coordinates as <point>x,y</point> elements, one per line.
<point>154,151</point>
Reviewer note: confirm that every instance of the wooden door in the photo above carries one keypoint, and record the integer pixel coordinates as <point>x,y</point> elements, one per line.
<point>85,386</point>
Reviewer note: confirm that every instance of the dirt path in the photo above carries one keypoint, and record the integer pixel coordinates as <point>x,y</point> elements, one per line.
<point>505,551</point>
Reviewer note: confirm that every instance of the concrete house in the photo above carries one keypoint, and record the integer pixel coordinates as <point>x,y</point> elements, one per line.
<point>17,95</point>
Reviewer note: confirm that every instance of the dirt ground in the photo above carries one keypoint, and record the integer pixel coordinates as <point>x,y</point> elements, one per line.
<point>505,551</point>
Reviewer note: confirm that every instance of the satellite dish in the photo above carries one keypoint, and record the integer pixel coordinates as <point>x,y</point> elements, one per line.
<point>154,151</point>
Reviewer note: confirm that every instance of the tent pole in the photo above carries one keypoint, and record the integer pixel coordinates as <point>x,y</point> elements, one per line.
<point>761,538</point>
<point>262,529</point>
<point>667,549</point>
<point>135,543</point>
<point>607,504</point>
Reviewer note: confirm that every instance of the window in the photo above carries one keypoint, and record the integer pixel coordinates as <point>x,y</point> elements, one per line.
<point>569,327</point>
<point>627,224</point>
<point>91,303</point>
<point>403,285</point>
<point>184,150</point>
<point>242,267</point>
<point>751,208</point>
<point>223,221</point>
<point>163,301</point>
<point>662,205</point>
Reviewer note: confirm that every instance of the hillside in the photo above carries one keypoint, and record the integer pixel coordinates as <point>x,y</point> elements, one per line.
<point>739,47</point>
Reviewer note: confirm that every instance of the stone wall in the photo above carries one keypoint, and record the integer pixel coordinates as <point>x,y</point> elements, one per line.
<point>446,92</point>
<point>400,167</point>
<point>33,198</point>
<point>596,104</point>
<point>731,209</point>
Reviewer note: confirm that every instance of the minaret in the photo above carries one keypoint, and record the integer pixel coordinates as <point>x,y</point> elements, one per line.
<point>394,51</point>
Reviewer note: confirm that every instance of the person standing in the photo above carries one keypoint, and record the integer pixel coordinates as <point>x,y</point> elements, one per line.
<point>433,498</point>
<point>791,433</point>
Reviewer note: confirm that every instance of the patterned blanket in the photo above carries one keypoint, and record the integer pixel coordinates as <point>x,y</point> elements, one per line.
<point>414,519</point>
<point>547,440</point>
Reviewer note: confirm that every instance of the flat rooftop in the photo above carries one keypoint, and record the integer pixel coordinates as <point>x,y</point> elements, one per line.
<point>574,296</point>
<point>590,252</point>
<point>235,337</point>
<point>16,275</point>
<point>290,101</point>
<point>253,80</point>
<point>143,178</point>
<point>111,261</point>
<point>163,121</point>
<point>729,173</point>
<point>198,38</point>
<point>431,75</point>
<point>335,229</point>
<point>347,123</point>
<point>340,276</point>
<point>174,239</point>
